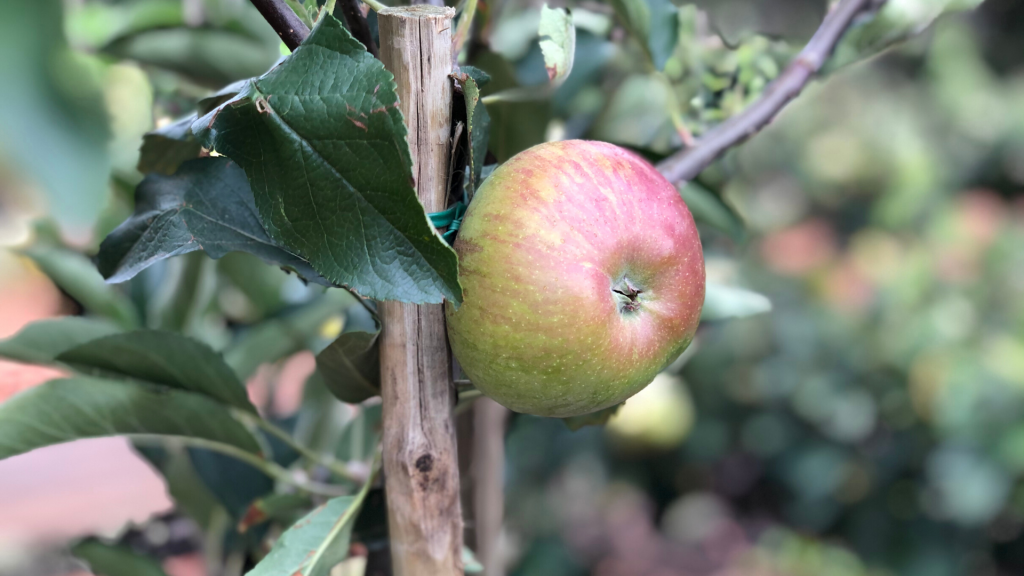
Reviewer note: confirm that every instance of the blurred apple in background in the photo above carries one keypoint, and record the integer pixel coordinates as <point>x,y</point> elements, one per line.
<point>656,419</point>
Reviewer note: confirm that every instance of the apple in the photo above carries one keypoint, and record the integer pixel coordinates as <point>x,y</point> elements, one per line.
<point>582,276</point>
<point>657,419</point>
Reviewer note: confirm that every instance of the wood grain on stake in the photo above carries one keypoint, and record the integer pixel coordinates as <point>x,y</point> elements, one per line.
<point>420,465</point>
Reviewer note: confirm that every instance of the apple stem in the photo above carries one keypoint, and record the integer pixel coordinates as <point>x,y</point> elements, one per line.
<point>627,295</point>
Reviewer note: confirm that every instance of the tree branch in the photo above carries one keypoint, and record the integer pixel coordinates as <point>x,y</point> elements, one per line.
<point>285,22</point>
<point>357,24</point>
<point>687,163</point>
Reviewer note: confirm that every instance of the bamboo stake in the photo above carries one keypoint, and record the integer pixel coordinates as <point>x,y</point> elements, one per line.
<point>420,464</point>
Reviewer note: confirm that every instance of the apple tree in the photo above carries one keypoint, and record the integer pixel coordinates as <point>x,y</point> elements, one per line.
<point>352,162</point>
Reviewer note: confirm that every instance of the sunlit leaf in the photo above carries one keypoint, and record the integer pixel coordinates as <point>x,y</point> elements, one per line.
<point>469,562</point>
<point>314,544</point>
<point>723,302</point>
<point>896,21</point>
<point>557,42</point>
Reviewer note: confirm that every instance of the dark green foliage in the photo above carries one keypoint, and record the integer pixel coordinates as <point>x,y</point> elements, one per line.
<point>86,407</point>
<point>162,358</point>
<point>330,115</point>
<point>206,205</point>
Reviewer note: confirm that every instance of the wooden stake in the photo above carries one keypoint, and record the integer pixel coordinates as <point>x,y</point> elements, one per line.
<point>489,422</point>
<point>420,464</point>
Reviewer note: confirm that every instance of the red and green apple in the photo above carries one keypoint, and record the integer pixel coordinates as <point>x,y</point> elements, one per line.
<point>583,277</point>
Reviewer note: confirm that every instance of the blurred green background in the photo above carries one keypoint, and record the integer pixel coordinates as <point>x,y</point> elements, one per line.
<point>871,423</point>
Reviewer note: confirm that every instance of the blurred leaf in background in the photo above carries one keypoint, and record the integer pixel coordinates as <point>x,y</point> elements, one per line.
<point>53,124</point>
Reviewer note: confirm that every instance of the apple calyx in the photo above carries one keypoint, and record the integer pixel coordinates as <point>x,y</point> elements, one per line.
<point>627,295</point>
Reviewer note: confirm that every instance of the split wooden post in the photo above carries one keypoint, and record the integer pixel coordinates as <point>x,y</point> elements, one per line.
<point>420,462</point>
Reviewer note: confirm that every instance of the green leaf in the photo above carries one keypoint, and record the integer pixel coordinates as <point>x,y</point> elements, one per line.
<point>360,437</point>
<point>723,302</point>
<point>635,15</point>
<point>41,342</point>
<point>267,289</point>
<point>300,11</point>
<point>479,76</point>
<point>205,105</point>
<point>275,507</point>
<point>84,407</point>
<point>53,122</point>
<point>114,560</point>
<point>282,336</point>
<point>93,24</point>
<point>235,484</point>
<point>654,24</point>
<point>557,42</point>
<point>350,366</point>
<point>637,115</point>
<point>162,358</point>
<point>515,126</point>
<point>599,418</point>
<point>709,208</point>
<point>208,56</point>
<point>164,149</point>
<point>664,31</point>
<point>314,544</point>
<point>76,275</point>
<point>206,205</point>
<point>320,418</point>
<point>897,21</point>
<point>323,143</point>
<point>479,124</point>
<point>469,562</point>
<point>191,292</point>
<point>184,485</point>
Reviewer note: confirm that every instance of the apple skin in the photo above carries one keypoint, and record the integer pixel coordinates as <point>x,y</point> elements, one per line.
<point>582,275</point>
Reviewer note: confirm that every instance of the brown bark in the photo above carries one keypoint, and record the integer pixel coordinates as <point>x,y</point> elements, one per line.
<point>420,464</point>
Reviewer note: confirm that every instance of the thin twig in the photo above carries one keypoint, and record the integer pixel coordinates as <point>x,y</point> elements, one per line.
<point>687,163</point>
<point>357,24</point>
<point>272,469</point>
<point>334,466</point>
<point>284,21</point>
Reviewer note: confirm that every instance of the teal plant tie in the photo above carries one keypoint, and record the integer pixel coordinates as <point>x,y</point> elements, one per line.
<point>450,219</point>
